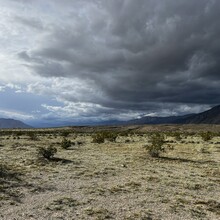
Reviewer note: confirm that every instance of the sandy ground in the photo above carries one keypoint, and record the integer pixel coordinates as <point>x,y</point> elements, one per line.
<point>110,180</point>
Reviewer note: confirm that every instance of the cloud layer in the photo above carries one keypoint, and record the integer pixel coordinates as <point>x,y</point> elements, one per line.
<point>120,57</point>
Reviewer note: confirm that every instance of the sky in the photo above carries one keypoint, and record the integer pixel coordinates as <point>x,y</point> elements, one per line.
<point>88,61</point>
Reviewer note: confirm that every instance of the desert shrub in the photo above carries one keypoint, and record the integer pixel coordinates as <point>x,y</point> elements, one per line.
<point>7,172</point>
<point>177,136</point>
<point>79,143</point>
<point>65,144</point>
<point>3,170</point>
<point>207,136</point>
<point>46,152</point>
<point>98,138</point>
<point>105,135</point>
<point>65,133</point>
<point>127,141</point>
<point>124,133</point>
<point>110,136</point>
<point>204,150</point>
<point>20,133</point>
<point>156,146</point>
<point>32,136</point>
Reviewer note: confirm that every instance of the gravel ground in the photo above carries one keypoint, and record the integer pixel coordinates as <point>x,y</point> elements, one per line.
<point>110,180</point>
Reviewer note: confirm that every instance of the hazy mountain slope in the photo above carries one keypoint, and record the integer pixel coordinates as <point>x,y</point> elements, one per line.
<point>11,123</point>
<point>160,120</point>
<point>211,116</point>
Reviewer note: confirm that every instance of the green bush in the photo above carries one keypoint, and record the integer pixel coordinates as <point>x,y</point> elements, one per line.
<point>156,146</point>
<point>47,152</point>
<point>98,138</point>
<point>105,135</point>
<point>65,144</point>
<point>177,136</point>
<point>32,136</point>
<point>65,133</point>
<point>110,136</point>
<point>207,136</point>
<point>19,133</point>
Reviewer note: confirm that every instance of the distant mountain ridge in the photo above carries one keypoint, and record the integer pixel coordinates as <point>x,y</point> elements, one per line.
<point>211,116</point>
<point>12,123</point>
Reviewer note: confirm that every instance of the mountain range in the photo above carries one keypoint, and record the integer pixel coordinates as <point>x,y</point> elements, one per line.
<point>211,116</point>
<point>11,123</point>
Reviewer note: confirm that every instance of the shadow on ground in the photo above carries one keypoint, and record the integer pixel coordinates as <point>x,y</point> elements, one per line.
<point>184,160</point>
<point>10,181</point>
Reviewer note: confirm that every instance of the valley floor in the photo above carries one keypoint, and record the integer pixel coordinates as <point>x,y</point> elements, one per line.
<point>111,180</point>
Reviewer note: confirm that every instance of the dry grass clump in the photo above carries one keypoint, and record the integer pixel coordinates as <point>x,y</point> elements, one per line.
<point>62,203</point>
<point>98,213</point>
<point>10,181</point>
<point>4,171</point>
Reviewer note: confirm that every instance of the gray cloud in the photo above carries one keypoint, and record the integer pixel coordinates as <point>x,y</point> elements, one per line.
<point>30,22</point>
<point>134,53</point>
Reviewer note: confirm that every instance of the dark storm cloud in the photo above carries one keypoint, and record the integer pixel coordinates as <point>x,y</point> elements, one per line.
<point>135,52</point>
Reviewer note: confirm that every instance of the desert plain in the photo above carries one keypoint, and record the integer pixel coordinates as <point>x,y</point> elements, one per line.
<point>111,180</point>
